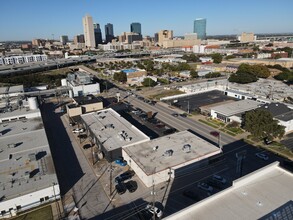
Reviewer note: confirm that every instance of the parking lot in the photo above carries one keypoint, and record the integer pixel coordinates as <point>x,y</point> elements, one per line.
<point>194,102</point>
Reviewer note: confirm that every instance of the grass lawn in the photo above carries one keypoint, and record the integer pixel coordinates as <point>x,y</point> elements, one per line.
<point>166,93</point>
<point>58,71</point>
<point>208,123</point>
<point>44,213</point>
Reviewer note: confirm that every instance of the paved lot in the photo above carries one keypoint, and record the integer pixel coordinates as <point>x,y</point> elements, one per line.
<point>288,141</point>
<point>196,101</point>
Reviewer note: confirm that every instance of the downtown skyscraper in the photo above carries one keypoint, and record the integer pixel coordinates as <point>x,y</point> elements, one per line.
<point>98,34</point>
<point>135,27</point>
<point>109,32</point>
<point>200,28</point>
<point>89,35</point>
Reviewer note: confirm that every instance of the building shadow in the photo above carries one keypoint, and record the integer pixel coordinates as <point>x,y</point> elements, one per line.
<point>65,160</point>
<point>135,210</point>
<point>237,160</point>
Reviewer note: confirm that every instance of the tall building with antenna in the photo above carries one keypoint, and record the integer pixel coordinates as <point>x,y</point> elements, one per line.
<point>89,35</point>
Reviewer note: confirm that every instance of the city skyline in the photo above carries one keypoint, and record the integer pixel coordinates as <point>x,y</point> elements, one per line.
<point>226,17</point>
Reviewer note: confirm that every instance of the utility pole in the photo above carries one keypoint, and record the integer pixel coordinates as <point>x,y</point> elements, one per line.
<point>111,173</point>
<point>153,195</point>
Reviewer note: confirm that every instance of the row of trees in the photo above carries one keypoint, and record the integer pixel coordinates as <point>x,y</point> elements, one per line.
<point>36,79</point>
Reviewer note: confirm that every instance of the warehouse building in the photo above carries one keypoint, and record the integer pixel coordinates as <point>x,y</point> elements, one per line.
<point>27,173</point>
<point>110,132</point>
<point>160,159</point>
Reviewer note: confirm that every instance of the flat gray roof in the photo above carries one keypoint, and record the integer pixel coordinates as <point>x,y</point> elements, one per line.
<point>251,197</point>
<point>150,155</point>
<point>26,163</point>
<point>234,108</point>
<point>112,130</point>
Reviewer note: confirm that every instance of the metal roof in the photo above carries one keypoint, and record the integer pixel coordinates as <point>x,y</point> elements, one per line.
<point>153,156</point>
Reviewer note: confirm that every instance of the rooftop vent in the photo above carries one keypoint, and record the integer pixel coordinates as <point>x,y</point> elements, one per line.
<point>155,148</point>
<point>186,148</point>
<point>109,126</point>
<point>168,153</point>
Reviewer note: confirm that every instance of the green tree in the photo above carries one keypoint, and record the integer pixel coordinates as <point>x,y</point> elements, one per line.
<point>148,82</point>
<point>260,71</point>
<point>260,123</point>
<point>163,81</point>
<point>193,74</point>
<point>217,57</point>
<point>256,70</point>
<point>182,66</point>
<point>242,78</point>
<point>213,75</point>
<point>120,77</point>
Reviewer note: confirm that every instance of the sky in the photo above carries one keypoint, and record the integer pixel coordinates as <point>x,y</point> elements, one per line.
<point>29,19</point>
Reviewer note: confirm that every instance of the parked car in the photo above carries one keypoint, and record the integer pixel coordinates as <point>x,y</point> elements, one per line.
<point>205,187</point>
<point>83,136</point>
<point>78,130</point>
<point>131,186</point>
<point>87,146</point>
<point>124,176</point>
<point>219,179</point>
<point>175,114</point>
<point>262,156</point>
<point>153,209</point>
<point>215,133</point>
<point>121,161</point>
<point>120,188</point>
<point>169,131</point>
<point>183,115</point>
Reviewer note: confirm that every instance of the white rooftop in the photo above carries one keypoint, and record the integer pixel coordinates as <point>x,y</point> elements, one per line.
<point>253,196</point>
<point>25,159</point>
<point>112,130</point>
<point>151,155</point>
<point>234,108</point>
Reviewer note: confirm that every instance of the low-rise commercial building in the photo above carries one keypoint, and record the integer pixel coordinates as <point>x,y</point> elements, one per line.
<point>160,159</point>
<point>282,113</point>
<point>264,194</point>
<point>233,111</point>
<point>135,76</point>
<point>27,173</point>
<point>84,104</point>
<point>82,84</point>
<point>110,132</point>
